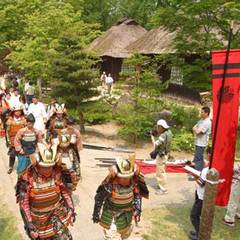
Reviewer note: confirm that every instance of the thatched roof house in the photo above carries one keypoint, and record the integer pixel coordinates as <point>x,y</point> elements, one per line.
<point>111,46</point>
<point>156,41</point>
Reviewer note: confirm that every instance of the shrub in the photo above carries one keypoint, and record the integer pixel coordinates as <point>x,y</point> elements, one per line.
<point>97,112</point>
<point>184,116</point>
<point>183,140</point>
<point>134,124</point>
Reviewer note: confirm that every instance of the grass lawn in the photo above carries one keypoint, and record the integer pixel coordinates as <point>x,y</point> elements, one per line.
<point>172,223</point>
<point>8,230</point>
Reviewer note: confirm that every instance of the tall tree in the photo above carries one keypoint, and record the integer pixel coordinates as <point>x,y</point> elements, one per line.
<point>108,12</point>
<point>31,54</point>
<point>73,77</point>
<point>200,26</point>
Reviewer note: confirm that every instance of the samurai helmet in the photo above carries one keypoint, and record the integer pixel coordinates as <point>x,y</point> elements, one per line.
<point>17,107</point>
<point>60,108</point>
<point>126,167</point>
<point>47,156</point>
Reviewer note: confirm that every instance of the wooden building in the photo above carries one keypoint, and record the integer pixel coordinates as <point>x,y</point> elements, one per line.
<point>111,45</point>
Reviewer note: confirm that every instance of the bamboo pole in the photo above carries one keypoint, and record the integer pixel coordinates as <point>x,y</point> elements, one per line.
<point>208,208</point>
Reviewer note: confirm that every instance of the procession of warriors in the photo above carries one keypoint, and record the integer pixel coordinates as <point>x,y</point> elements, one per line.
<point>44,149</point>
<point>44,152</point>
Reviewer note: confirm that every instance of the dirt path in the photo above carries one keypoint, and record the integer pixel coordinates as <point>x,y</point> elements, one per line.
<point>180,190</point>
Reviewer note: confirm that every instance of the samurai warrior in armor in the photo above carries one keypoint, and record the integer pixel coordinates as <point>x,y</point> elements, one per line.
<point>45,203</point>
<point>119,198</point>
<point>15,122</point>
<point>69,144</point>
<point>25,143</point>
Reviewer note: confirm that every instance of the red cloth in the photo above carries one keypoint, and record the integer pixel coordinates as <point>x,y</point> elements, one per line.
<point>224,151</point>
<point>147,168</point>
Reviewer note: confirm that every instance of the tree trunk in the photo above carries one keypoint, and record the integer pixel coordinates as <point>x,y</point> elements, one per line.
<point>81,121</point>
<point>208,209</point>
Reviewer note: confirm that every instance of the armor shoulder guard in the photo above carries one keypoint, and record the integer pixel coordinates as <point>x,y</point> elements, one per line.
<point>22,186</point>
<point>142,186</point>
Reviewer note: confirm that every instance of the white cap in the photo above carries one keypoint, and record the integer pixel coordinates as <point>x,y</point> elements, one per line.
<point>162,123</point>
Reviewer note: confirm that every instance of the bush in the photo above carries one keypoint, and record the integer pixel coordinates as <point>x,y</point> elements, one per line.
<point>184,116</point>
<point>183,140</point>
<point>134,125</point>
<point>97,112</point>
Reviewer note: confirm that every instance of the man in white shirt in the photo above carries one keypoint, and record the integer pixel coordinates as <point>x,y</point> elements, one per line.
<point>29,90</point>
<point>199,196</point>
<point>14,99</point>
<point>202,131</point>
<point>109,82</point>
<point>39,112</point>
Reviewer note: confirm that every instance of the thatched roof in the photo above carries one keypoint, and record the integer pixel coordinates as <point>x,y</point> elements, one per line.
<point>156,41</point>
<point>113,42</point>
<point>159,41</point>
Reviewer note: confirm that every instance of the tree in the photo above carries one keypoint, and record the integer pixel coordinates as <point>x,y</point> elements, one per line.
<point>200,26</point>
<point>31,54</point>
<point>13,14</point>
<point>108,12</point>
<point>146,88</point>
<point>73,77</point>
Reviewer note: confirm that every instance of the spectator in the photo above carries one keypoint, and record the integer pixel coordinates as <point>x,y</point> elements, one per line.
<point>37,109</point>
<point>201,131</point>
<point>199,196</point>
<point>161,151</point>
<point>51,108</point>
<point>103,78</point>
<point>29,90</point>
<point>15,98</point>
<point>109,83</point>
<point>24,104</point>
<point>233,208</point>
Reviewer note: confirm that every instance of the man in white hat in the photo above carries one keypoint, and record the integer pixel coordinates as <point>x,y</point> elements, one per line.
<point>162,147</point>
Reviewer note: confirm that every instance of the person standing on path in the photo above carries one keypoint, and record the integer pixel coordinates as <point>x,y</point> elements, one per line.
<point>201,131</point>
<point>103,79</point>
<point>233,208</point>
<point>39,112</point>
<point>161,151</point>
<point>109,83</point>
<point>196,211</point>
<point>29,90</point>
<point>15,99</point>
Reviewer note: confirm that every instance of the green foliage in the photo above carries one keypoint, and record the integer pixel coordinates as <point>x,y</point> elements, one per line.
<point>8,229</point>
<point>134,124</point>
<point>137,118</point>
<point>183,140</point>
<point>200,27</point>
<point>172,223</point>
<point>97,112</point>
<point>184,116</point>
<point>108,12</point>
<point>73,78</point>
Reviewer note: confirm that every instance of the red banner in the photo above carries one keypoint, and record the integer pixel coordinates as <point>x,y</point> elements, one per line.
<point>226,135</point>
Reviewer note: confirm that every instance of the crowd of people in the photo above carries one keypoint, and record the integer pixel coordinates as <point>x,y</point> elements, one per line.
<point>161,138</point>
<point>47,147</point>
